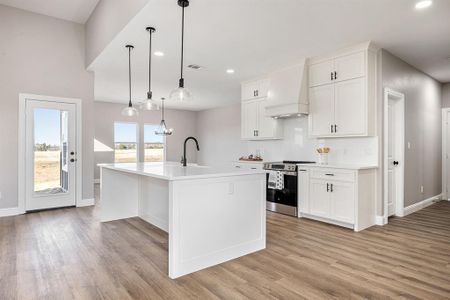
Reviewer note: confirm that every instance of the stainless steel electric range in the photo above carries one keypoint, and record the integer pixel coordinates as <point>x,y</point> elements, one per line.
<point>282,186</point>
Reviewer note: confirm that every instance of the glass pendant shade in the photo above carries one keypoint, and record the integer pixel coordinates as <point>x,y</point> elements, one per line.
<point>130,111</point>
<point>180,94</point>
<point>149,104</point>
<point>163,130</point>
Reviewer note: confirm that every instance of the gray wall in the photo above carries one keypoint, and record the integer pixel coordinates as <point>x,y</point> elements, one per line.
<point>106,21</point>
<point>183,123</point>
<point>423,102</point>
<point>219,133</point>
<point>446,95</point>
<point>45,56</point>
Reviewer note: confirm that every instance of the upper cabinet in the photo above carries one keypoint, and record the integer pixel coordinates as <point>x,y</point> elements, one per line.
<point>342,93</point>
<point>254,89</point>
<point>255,124</point>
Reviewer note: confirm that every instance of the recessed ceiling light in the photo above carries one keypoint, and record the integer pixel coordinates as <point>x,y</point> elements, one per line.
<point>423,4</point>
<point>158,53</point>
<point>230,71</point>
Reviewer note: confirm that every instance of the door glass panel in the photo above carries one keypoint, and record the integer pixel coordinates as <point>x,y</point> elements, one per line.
<point>153,144</point>
<point>50,151</point>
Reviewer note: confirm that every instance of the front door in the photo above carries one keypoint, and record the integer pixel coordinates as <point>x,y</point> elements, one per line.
<point>50,154</point>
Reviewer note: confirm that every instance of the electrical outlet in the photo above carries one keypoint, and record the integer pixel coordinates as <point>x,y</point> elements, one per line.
<point>421,189</point>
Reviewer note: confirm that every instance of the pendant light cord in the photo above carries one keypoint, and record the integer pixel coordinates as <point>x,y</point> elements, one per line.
<point>129,74</point>
<point>162,108</point>
<point>182,43</point>
<point>149,96</point>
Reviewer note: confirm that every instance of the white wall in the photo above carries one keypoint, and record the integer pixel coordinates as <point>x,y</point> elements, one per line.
<point>220,138</point>
<point>183,122</point>
<point>106,21</point>
<point>45,56</point>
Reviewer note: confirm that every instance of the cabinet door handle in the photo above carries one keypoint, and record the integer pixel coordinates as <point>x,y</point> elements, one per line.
<point>254,132</point>
<point>257,132</point>
<point>331,128</point>
<point>335,75</point>
<point>328,187</point>
<point>256,93</point>
<point>335,128</point>
<point>329,174</point>
<point>331,75</point>
<point>331,187</point>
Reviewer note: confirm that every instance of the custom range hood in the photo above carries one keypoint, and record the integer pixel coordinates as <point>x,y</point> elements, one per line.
<point>288,92</point>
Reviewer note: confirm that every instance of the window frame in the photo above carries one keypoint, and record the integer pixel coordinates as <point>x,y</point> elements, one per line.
<point>137,139</point>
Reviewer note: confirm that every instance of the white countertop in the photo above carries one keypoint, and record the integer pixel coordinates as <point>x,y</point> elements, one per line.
<point>175,171</point>
<point>340,166</point>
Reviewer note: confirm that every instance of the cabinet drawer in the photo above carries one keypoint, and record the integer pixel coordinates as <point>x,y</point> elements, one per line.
<point>333,174</point>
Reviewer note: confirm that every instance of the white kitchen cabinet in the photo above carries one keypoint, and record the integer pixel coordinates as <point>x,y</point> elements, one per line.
<point>349,66</point>
<point>320,205</point>
<point>303,190</point>
<point>255,125</point>
<point>350,108</point>
<point>254,89</point>
<point>342,201</point>
<point>321,72</point>
<point>340,196</point>
<point>342,93</point>
<point>248,165</point>
<point>321,105</point>
<point>249,119</point>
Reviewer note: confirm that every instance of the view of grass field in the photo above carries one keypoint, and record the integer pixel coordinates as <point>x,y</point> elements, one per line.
<point>46,170</point>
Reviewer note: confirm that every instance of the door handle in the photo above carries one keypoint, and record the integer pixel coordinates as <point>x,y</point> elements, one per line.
<point>331,128</point>
<point>72,153</point>
<point>331,75</point>
<point>335,128</point>
<point>73,160</point>
<point>395,163</point>
<point>335,75</point>
<point>331,187</point>
<point>328,187</point>
<point>329,174</point>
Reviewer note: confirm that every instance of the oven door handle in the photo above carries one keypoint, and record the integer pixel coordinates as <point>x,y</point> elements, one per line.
<point>289,173</point>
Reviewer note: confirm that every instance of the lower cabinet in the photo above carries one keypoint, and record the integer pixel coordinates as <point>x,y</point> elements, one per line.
<point>343,197</point>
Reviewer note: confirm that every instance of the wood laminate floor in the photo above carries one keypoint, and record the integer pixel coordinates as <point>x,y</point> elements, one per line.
<point>68,253</point>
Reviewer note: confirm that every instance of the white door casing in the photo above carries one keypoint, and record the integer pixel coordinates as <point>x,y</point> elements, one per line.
<point>394,153</point>
<point>22,147</point>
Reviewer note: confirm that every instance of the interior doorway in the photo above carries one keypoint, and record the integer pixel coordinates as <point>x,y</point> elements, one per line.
<point>49,173</point>
<point>394,153</point>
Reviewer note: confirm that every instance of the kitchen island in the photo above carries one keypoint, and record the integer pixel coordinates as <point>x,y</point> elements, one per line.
<point>211,214</point>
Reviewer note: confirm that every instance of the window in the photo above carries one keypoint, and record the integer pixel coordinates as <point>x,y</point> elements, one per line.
<point>153,144</point>
<point>125,142</point>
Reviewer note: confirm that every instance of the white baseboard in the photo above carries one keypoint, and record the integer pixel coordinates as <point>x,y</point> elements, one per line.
<point>422,204</point>
<point>13,211</point>
<point>96,180</point>
<point>380,220</point>
<point>86,202</point>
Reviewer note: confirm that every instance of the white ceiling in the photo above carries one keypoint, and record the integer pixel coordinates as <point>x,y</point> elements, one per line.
<point>70,10</point>
<point>258,36</point>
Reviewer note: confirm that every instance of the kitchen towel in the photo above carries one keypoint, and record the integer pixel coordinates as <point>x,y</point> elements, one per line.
<point>276,180</point>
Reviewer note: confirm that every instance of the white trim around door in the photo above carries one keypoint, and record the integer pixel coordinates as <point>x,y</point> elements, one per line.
<point>445,153</point>
<point>399,151</point>
<point>22,145</point>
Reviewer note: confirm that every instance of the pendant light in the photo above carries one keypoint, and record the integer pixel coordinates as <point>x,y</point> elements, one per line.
<point>149,103</point>
<point>163,130</point>
<point>181,94</point>
<point>129,111</point>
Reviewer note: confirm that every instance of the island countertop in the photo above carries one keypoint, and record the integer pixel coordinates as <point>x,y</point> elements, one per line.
<point>174,171</point>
